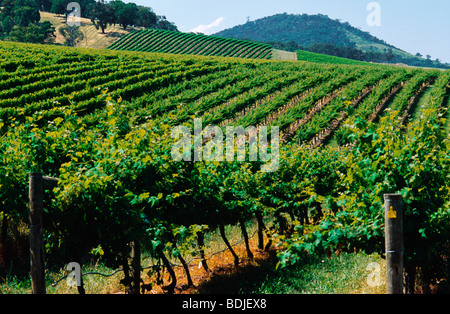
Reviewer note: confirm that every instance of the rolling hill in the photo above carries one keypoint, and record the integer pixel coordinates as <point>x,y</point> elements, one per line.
<point>93,38</point>
<point>305,30</point>
<point>316,31</point>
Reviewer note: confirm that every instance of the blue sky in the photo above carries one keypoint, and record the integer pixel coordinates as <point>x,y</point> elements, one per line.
<point>412,25</point>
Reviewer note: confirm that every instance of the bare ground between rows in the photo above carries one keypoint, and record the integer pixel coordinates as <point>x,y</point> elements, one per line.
<point>223,277</point>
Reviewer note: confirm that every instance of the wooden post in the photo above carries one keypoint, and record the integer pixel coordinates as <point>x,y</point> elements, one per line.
<point>36,190</point>
<point>394,243</point>
<point>135,267</point>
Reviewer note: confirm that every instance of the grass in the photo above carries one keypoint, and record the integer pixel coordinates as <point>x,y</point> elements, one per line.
<point>93,38</point>
<point>322,58</point>
<point>447,127</point>
<point>340,274</point>
<point>424,100</point>
<point>93,284</point>
<point>344,274</point>
<point>97,284</point>
<point>284,55</point>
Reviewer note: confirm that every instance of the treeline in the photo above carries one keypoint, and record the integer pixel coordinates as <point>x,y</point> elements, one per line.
<point>321,34</point>
<point>352,53</point>
<point>103,13</point>
<point>338,51</point>
<point>20,19</point>
<point>371,56</point>
<point>356,54</point>
<point>304,29</point>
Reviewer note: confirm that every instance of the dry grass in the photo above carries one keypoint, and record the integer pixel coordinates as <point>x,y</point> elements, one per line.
<point>284,55</point>
<point>93,38</point>
<point>339,274</point>
<point>220,265</point>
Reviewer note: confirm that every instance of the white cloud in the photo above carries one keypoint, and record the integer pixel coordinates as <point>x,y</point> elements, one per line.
<point>205,28</point>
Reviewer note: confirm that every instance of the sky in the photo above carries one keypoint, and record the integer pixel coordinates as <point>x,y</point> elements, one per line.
<point>411,25</point>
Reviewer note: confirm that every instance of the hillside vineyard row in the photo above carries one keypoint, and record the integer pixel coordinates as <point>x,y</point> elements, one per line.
<point>101,121</point>
<point>156,40</point>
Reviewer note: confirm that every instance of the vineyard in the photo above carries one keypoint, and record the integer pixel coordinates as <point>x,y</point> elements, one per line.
<point>164,41</point>
<point>101,122</point>
<point>303,55</point>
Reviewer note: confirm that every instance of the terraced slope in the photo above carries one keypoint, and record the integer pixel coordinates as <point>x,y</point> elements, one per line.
<point>153,40</point>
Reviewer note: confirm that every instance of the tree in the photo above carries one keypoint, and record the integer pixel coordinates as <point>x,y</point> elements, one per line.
<point>84,6</point>
<point>7,24</point>
<point>20,22</point>
<point>146,17</point>
<point>125,13</point>
<point>163,23</point>
<point>58,6</point>
<point>389,55</point>
<point>38,33</point>
<point>44,5</point>
<point>72,34</point>
<point>25,12</point>
<point>101,14</point>
<point>7,8</point>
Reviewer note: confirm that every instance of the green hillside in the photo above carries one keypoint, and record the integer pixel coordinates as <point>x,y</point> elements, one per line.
<point>321,58</point>
<point>304,29</point>
<point>153,40</point>
<point>319,33</point>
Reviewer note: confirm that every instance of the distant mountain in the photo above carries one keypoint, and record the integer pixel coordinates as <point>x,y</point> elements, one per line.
<point>319,33</point>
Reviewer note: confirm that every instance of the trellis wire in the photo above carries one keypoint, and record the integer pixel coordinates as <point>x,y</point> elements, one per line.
<point>152,266</point>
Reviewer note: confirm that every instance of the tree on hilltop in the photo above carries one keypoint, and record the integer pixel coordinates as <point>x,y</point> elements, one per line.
<point>101,14</point>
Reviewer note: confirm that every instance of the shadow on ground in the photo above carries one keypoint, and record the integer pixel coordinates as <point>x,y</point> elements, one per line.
<point>246,279</point>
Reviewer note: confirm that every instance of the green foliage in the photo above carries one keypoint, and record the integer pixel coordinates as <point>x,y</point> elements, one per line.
<point>58,6</point>
<point>19,21</point>
<point>321,58</point>
<point>126,14</point>
<point>72,34</point>
<point>351,53</point>
<point>101,121</point>
<point>39,33</point>
<point>386,160</point>
<point>303,29</point>
<point>169,41</point>
<point>321,34</point>
<point>25,12</point>
<point>103,13</point>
